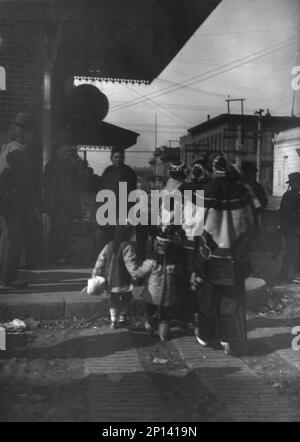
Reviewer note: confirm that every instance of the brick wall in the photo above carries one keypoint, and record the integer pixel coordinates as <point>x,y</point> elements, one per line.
<point>20,57</point>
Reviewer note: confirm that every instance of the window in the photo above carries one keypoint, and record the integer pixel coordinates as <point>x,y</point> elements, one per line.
<point>2,79</point>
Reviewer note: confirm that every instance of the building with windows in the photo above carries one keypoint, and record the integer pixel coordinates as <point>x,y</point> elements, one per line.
<point>236,136</point>
<point>286,158</point>
<point>46,44</point>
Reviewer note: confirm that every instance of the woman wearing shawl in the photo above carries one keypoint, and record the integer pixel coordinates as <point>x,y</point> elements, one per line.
<point>224,246</point>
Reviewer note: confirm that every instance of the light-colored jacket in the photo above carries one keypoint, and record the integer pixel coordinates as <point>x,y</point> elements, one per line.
<point>121,269</point>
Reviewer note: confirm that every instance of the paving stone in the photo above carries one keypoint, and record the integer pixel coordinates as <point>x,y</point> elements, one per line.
<point>118,389</point>
<point>244,394</point>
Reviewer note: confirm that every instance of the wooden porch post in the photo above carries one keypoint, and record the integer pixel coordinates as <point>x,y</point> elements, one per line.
<point>49,56</point>
<point>47,84</point>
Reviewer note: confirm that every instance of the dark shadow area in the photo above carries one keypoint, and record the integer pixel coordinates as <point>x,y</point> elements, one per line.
<point>83,347</point>
<point>52,281</point>
<point>264,322</point>
<point>126,397</point>
<point>266,346</point>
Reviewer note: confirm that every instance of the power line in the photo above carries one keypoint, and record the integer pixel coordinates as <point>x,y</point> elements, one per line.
<point>211,73</point>
<point>182,86</point>
<point>159,105</point>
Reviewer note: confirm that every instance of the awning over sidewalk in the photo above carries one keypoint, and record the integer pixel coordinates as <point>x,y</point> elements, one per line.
<point>126,39</point>
<point>107,136</point>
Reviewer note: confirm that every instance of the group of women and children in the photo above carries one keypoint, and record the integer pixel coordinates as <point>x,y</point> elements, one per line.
<point>200,279</point>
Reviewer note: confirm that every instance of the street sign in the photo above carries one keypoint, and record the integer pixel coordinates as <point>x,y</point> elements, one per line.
<point>2,339</point>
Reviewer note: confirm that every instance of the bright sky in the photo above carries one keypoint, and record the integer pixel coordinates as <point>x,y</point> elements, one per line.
<point>245,49</point>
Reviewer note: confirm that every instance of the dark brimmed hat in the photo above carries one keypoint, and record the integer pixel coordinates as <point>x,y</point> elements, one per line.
<point>220,164</point>
<point>23,120</point>
<point>200,170</point>
<point>178,170</point>
<point>293,177</point>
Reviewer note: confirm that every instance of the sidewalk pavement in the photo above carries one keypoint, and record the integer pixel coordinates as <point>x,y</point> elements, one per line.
<point>55,293</point>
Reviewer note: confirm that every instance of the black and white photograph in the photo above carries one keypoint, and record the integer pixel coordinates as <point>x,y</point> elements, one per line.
<point>149,214</point>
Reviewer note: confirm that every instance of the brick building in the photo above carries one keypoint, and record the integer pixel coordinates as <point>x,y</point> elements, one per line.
<point>237,136</point>
<point>20,58</point>
<point>44,44</point>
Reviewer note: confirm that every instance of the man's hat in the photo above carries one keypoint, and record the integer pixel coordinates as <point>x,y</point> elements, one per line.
<point>177,167</point>
<point>23,120</point>
<point>200,170</point>
<point>178,170</point>
<point>220,164</point>
<point>293,177</point>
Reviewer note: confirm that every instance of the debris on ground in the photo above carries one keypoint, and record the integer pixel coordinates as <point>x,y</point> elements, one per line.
<point>159,361</point>
<point>14,326</point>
<point>74,323</point>
<point>277,385</point>
<point>279,304</point>
<point>32,324</point>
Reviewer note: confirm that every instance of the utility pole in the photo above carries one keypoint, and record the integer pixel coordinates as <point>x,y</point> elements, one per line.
<point>239,147</point>
<point>155,131</point>
<point>259,113</point>
<point>230,100</point>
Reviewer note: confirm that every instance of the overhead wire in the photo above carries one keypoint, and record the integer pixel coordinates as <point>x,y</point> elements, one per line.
<point>211,73</point>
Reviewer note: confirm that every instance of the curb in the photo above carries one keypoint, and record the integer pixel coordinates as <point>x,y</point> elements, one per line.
<point>84,307</point>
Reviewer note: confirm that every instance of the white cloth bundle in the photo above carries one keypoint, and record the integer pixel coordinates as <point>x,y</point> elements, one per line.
<point>96,285</point>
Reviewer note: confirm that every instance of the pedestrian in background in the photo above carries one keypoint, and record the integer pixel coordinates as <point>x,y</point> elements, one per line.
<point>62,200</point>
<point>289,215</point>
<point>257,192</point>
<point>111,178</point>
<point>17,196</point>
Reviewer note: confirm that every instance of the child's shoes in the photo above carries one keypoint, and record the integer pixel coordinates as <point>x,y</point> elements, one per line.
<point>149,328</point>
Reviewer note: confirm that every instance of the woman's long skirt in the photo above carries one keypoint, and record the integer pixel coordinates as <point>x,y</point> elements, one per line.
<point>222,315</point>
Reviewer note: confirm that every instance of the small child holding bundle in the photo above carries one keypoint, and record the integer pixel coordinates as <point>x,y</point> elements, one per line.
<point>117,263</point>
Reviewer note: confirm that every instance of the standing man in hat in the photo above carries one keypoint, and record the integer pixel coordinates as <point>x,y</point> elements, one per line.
<point>118,172</point>
<point>257,192</point>
<point>290,224</point>
<point>17,200</point>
